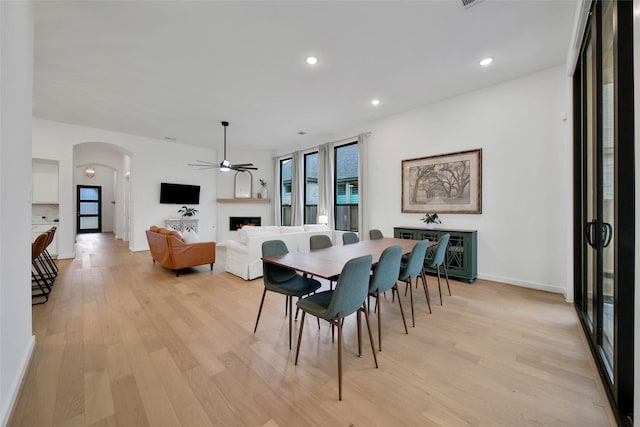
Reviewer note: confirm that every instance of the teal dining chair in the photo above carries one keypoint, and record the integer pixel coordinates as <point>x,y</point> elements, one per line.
<point>349,238</point>
<point>333,306</point>
<point>320,241</point>
<point>413,269</point>
<point>385,277</point>
<point>438,261</point>
<point>375,234</point>
<point>283,281</point>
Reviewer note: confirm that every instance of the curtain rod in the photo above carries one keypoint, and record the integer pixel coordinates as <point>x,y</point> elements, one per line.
<point>284,156</point>
<point>351,137</point>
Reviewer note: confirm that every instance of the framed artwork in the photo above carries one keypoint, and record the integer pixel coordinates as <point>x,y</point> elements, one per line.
<point>447,183</point>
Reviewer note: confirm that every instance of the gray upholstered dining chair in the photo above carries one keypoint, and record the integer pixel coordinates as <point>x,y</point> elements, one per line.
<point>283,280</point>
<point>319,241</point>
<point>413,269</point>
<point>438,261</point>
<point>333,306</point>
<point>375,234</point>
<point>385,275</point>
<point>349,238</point>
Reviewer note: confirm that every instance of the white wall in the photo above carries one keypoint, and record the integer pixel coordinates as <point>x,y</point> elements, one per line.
<point>16,94</point>
<point>152,162</point>
<point>524,231</point>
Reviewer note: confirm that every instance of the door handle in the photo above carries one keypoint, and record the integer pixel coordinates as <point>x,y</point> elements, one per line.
<point>607,234</point>
<point>587,233</point>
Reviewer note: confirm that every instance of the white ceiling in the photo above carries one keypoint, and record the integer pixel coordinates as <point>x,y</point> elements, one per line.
<point>177,68</point>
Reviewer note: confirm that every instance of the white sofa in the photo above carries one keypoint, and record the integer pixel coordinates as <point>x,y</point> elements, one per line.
<point>243,255</point>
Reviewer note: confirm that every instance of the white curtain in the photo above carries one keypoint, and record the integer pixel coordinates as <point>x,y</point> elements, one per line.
<point>325,183</point>
<point>297,198</point>
<point>277,213</point>
<point>363,180</point>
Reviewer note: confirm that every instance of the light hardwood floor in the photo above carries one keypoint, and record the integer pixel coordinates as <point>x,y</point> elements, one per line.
<point>122,341</point>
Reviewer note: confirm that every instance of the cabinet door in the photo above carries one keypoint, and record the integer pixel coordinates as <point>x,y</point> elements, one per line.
<point>44,182</point>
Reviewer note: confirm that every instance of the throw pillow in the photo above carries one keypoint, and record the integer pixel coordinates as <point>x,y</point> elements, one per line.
<point>190,236</point>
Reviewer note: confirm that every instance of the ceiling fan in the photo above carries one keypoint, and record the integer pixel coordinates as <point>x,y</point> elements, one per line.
<point>225,164</point>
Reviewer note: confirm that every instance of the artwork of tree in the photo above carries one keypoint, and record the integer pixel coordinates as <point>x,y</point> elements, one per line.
<point>440,183</point>
<point>445,183</point>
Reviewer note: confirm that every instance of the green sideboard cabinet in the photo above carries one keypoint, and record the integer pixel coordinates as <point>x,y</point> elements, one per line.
<point>461,259</point>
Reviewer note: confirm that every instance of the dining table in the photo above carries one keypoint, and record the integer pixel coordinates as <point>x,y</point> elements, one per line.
<point>327,263</point>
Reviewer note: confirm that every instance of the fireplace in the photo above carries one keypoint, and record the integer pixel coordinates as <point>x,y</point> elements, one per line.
<point>236,222</point>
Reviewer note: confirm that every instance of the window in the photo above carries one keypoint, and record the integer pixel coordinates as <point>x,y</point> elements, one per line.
<point>311,188</point>
<point>346,187</point>
<point>285,192</point>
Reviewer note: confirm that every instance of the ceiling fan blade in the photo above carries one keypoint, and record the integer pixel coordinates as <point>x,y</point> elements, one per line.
<point>242,164</point>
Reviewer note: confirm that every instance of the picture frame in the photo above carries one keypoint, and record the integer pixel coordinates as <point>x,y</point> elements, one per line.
<point>445,183</point>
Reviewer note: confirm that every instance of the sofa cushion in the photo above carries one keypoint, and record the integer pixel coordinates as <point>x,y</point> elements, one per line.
<point>316,227</point>
<point>247,232</point>
<point>154,228</point>
<point>293,229</point>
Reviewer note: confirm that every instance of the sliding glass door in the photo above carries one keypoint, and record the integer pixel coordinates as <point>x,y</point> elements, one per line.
<point>604,197</point>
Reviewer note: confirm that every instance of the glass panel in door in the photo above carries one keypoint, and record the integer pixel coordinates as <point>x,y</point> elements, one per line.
<point>606,302</point>
<point>89,209</point>
<point>590,169</point>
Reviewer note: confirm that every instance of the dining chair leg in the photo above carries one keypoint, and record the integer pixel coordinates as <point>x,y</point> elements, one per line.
<point>413,320</point>
<point>447,276</point>
<point>359,333</point>
<point>423,275</point>
<point>260,310</point>
<point>373,349</point>
<point>290,318</point>
<point>439,289</point>
<point>395,289</point>
<point>339,324</point>
<point>299,338</point>
<point>379,320</point>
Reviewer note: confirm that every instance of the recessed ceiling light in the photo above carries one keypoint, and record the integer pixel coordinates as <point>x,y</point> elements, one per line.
<point>375,102</point>
<point>302,132</point>
<point>312,60</point>
<point>486,61</point>
<point>168,138</point>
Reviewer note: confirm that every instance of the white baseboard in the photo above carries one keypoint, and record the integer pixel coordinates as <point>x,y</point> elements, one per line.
<point>67,256</point>
<point>524,283</point>
<point>138,248</point>
<point>16,384</point>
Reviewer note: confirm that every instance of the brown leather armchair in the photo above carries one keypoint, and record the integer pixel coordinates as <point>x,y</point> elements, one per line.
<point>168,248</point>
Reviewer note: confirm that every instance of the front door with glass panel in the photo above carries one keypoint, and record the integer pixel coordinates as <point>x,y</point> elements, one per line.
<point>89,208</point>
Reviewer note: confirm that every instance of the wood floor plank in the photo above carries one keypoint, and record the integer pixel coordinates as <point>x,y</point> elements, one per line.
<point>124,342</point>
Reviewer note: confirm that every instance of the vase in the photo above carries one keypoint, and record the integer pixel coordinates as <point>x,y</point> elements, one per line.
<point>430,226</point>
<point>264,193</point>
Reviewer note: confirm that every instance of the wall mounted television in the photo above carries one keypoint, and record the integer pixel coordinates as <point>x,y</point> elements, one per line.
<point>179,194</point>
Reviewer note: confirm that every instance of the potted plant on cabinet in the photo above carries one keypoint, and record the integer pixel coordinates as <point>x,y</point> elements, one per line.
<point>187,212</point>
<point>431,219</point>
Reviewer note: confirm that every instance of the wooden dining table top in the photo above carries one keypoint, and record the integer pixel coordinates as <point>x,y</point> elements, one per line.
<point>328,262</point>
